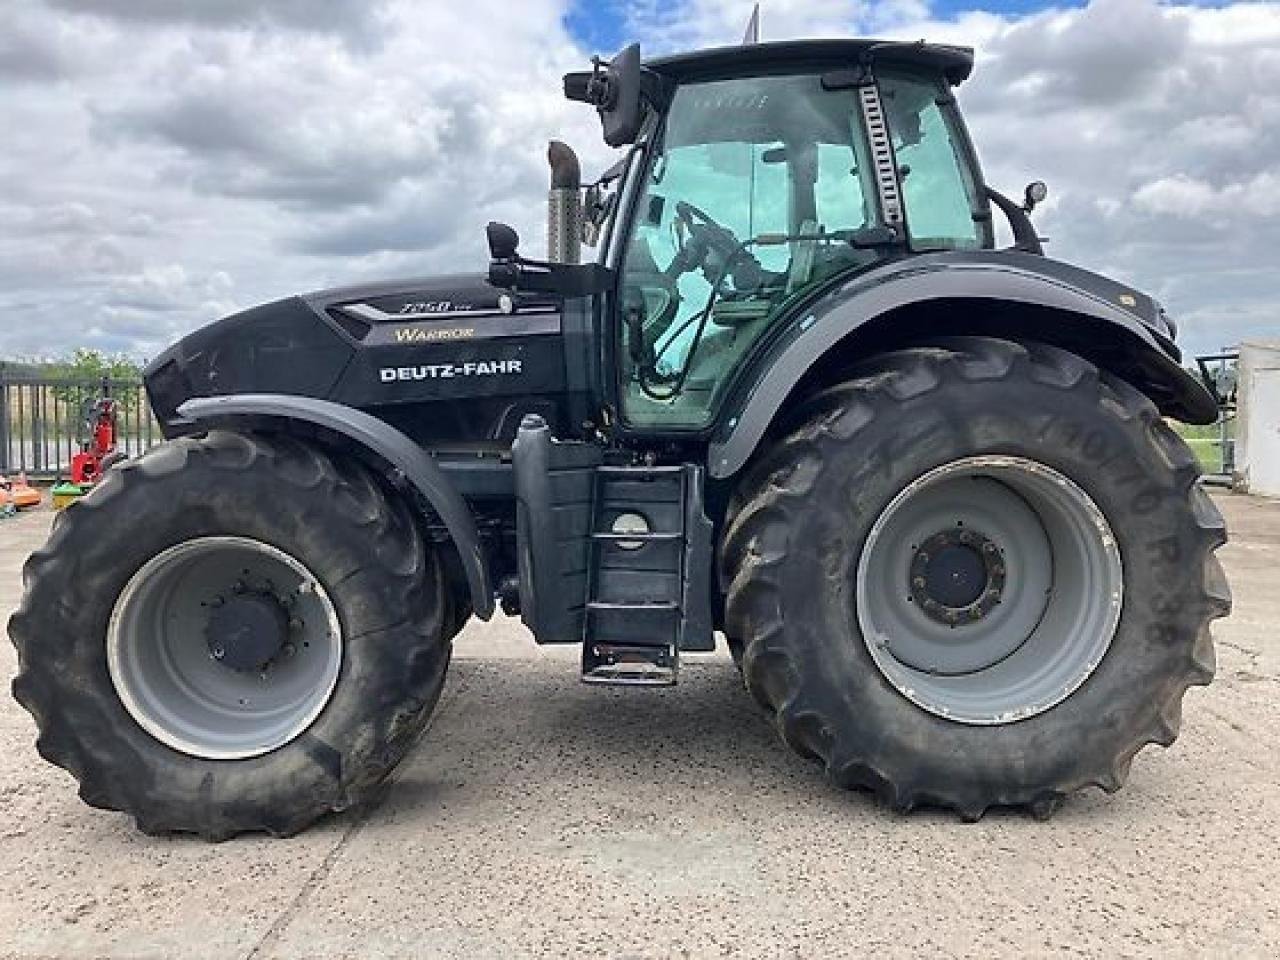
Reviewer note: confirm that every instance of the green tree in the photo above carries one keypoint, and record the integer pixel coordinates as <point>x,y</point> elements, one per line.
<point>86,364</point>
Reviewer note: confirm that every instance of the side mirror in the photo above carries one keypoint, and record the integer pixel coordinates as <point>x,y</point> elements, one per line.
<point>615,91</point>
<point>504,263</point>
<point>1036,193</point>
<point>503,240</point>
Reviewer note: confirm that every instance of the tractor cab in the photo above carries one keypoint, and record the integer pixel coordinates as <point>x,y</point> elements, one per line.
<point>754,178</point>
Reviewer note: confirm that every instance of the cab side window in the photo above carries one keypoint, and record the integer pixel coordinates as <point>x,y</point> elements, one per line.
<point>939,192</point>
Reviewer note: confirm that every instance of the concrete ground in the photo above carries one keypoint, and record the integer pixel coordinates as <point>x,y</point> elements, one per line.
<point>539,817</point>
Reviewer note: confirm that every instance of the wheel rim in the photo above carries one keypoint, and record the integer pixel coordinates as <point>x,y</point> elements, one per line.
<point>989,589</point>
<point>224,647</point>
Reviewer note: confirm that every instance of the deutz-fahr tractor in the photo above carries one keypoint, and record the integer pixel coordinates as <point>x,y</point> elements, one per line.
<point>923,486</point>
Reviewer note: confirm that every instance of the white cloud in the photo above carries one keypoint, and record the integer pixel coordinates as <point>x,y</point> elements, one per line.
<point>176,159</point>
<point>1178,195</point>
<point>1186,197</point>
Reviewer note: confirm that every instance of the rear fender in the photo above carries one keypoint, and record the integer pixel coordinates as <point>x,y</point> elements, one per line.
<point>1121,330</point>
<point>377,440</point>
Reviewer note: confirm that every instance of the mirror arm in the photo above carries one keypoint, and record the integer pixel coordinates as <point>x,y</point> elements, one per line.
<point>1025,237</point>
<point>539,276</point>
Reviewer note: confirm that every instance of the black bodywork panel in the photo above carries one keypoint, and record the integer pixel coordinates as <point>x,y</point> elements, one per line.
<point>953,62</point>
<point>977,292</point>
<point>446,361</point>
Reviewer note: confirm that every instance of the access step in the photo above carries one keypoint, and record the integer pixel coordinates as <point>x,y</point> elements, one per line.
<point>631,643</point>
<point>629,665</point>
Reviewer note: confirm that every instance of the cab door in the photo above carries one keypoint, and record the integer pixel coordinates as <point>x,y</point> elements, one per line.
<point>751,191</point>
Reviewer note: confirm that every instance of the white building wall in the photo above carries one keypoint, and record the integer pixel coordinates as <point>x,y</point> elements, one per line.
<point>1258,421</point>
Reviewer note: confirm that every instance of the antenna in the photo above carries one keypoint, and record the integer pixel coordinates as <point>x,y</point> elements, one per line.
<point>753,27</point>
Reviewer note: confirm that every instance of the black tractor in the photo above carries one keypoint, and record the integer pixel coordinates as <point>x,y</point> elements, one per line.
<point>924,487</point>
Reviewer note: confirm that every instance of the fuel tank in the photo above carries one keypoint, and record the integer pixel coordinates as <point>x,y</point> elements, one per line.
<point>446,359</point>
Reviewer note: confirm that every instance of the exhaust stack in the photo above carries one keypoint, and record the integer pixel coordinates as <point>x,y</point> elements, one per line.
<point>564,205</point>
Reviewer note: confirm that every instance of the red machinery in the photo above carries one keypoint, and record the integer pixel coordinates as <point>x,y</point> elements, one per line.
<point>98,453</point>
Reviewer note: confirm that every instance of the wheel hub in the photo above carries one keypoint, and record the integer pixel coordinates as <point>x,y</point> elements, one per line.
<point>957,576</point>
<point>247,632</point>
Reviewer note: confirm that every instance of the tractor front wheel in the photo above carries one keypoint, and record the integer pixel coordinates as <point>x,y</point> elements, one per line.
<point>235,633</point>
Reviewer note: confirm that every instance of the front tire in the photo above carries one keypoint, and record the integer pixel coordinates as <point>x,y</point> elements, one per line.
<point>822,546</point>
<point>229,634</point>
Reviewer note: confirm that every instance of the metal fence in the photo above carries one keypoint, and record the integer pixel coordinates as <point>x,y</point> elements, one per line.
<point>44,420</point>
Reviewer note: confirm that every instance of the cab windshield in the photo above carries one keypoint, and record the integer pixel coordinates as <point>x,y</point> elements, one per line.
<point>757,190</point>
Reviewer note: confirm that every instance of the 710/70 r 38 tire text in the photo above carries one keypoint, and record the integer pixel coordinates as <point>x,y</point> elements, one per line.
<point>235,633</point>
<point>977,573</point>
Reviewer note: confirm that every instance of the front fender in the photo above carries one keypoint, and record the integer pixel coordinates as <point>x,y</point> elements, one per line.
<point>369,434</point>
<point>1113,322</point>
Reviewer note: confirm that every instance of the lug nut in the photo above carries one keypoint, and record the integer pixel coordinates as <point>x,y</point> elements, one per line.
<point>218,653</point>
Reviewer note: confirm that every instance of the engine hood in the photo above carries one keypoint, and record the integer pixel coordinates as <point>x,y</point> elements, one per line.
<point>306,345</point>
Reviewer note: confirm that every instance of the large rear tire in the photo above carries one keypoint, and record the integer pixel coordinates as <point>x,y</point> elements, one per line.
<point>975,574</point>
<point>231,634</point>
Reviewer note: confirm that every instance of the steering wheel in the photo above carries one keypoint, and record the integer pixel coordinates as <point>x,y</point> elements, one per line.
<point>691,215</point>
<point>703,242</point>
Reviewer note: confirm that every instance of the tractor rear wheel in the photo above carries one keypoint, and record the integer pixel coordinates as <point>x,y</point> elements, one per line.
<point>975,574</point>
<point>235,633</point>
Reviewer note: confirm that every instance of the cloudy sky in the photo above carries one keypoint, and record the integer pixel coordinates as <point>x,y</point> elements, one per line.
<point>168,161</point>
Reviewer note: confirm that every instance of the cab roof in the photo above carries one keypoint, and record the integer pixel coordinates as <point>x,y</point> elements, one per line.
<point>954,63</point>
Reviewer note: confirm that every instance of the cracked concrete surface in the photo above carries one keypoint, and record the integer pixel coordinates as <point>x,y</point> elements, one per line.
<point>539,817</point>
